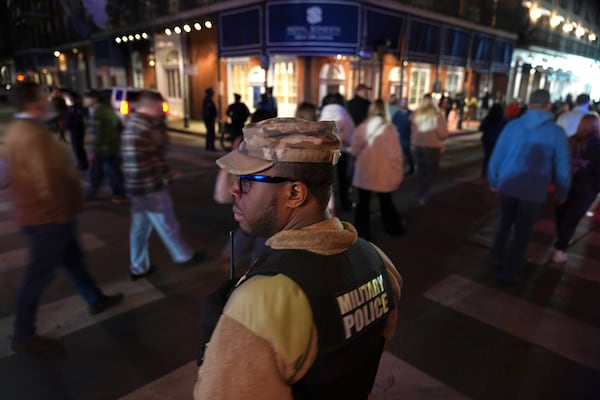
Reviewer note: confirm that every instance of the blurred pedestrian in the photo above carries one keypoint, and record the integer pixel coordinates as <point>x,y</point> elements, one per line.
<point>104,129</point>
<point>401,119</point>
<point>485,102</point>
<point>532,151</point>
<point>333,110</point>
<point>265,106</point>
<point>46,196</point>
<point>378,169</point>
<point>393,106</point>
<point>306,111</point>
<point>358,107</point>
<point>147,176</point>
<point>301,336</point>
<point>569,121</point>
<point>513,110</point>
<point>238,114</point>
<point>59,106</point>
<point>584,147</point>
<point>273,101</point>
<point>491,126</point>
<point>209,115</point>
<point>428,132</point>
<point>75,125</point>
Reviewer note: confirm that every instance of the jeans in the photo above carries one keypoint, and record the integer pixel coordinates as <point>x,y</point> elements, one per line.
<point>571,212</point>
<point>111,166</point>
<point>210,134</point>
<point>50,246</point>
<point>428,164</point>
<point>155,211</point>
<point>392,222</point>
<point>407,153</point>
<point>522,215</point>
<point>77,143</point>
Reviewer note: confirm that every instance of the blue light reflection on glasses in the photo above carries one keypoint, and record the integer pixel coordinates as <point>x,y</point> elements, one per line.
<point>245,181</point>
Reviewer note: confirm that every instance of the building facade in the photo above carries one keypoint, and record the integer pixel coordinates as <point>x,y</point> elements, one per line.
<point>304,50</point>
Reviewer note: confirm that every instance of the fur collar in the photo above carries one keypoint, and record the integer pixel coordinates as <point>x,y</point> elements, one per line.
<point>331,236</point>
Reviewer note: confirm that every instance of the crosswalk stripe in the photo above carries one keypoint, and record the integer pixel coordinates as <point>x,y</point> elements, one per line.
<point>579,266</point>
<point>71,314</point>
<point>15,259</point>
<point>570,338</point>
<point>395,379</point>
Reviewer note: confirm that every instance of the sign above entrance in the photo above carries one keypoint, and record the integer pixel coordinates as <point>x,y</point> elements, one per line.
<point>313,28</point>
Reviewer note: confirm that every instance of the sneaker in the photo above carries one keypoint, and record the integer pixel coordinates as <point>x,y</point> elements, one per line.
<point>195,259</point>
<point>135,277</point>
<point>120,200</point>
<point>559,257</point>
<point>35,344</point>
<point>106,302</point>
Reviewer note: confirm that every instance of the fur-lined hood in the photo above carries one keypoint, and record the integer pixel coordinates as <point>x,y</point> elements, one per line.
<point>331,236</point>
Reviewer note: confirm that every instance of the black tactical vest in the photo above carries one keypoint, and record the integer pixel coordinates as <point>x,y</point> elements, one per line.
<point>351,298</point>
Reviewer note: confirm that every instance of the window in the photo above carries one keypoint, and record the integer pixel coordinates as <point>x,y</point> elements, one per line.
<point>285,87</point>
<point>238,81</point>
<point>454,81</point>
<point>173,83</point>
<point>419,84</point>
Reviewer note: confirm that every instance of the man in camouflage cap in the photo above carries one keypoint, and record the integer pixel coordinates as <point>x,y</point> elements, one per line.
<point>310,318</point>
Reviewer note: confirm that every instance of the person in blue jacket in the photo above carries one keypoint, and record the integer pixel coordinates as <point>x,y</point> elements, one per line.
<point>532,152</point>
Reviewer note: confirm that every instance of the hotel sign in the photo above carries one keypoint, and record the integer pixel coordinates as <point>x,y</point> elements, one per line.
<point>324,26</point>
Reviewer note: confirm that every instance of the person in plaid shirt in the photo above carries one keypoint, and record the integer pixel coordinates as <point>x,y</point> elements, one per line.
<point>147,176</point>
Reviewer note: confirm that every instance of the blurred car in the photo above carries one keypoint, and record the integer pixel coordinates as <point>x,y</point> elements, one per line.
<point>123,99</point>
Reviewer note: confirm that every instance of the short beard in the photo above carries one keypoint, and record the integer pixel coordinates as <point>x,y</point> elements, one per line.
<point>266,226</point>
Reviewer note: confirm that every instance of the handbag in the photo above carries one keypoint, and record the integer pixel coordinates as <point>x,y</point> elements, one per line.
<point>222,185</point>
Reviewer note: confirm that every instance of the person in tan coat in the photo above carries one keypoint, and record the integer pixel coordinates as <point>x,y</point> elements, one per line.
<point>429,130</point>
<point>378,169</point>
<point>46,196</point>
<point>311,317</point>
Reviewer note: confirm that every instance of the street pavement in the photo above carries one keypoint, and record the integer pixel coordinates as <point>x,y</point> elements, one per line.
<point>460,335</point>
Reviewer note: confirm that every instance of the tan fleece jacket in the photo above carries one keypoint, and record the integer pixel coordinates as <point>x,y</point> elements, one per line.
<point>430,132</point>
<point>266,339</point>
<point>44,184</point>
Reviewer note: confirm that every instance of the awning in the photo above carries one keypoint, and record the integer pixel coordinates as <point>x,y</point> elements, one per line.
<point>240,32</point>
<point>383,27</point>
<point>481,52</point>
<point>455,49</point>
<point>423,41</point>
<point>323,27</point>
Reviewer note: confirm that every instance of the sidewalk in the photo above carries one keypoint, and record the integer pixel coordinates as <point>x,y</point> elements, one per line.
<point>196,127</point>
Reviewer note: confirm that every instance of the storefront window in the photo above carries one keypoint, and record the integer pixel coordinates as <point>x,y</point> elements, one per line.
<point>453,81</point>
<point>173,83</point>
<point>419,85</point>
<point>331,80</point>
<point>238,81</point>
<point>285,88</point>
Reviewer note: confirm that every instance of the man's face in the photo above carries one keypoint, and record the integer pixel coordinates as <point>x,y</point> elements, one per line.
<point>259,211</point>
<point>364,93</point>
<point>89,101</point>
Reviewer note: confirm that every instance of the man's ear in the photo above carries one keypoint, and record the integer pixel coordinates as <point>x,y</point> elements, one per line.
<point>297,194</point>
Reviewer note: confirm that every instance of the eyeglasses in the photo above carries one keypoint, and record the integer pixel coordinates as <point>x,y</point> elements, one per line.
<point>245,181</point>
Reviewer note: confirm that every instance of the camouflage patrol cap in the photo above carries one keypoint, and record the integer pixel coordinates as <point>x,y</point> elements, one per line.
<point>279,140</point>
